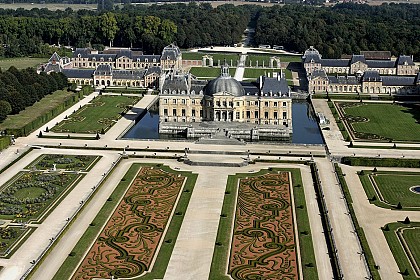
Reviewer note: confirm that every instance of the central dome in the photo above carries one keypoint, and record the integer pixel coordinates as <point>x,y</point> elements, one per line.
<point>224,83</point>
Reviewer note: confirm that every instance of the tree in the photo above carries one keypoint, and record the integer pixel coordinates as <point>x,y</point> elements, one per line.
<point>109,26</point>
<point>5,109</point>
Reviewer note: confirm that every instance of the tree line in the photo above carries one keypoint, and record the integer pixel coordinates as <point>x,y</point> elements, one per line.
<point>342,29</point>
<point>22,88</point>
<point>148,27</point>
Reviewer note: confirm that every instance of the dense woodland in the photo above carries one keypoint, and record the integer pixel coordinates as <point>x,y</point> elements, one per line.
<point>151,28</point>
<point>342,29</point>
<point>22,88</point>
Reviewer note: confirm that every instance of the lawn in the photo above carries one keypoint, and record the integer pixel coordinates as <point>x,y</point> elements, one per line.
<point>216,57</point>
<point>386,122</point>
<point>222,248</point>
<point>159,268</point>
<point>21,62</point>
<point>98,116</point>
<point>256,72</point>
<point>209,72</point>
<point>253,58</point>
<point>395,233</point>
<point>51,104</point>
<point>392,188</point>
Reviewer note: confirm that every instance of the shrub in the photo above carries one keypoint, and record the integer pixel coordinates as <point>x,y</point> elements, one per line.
<point>406,220</point>
<point>399,206</point>
<point>72,254</point>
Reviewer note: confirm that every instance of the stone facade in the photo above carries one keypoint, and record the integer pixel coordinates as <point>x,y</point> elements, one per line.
<point>183,100</point>
<point>117,66</point>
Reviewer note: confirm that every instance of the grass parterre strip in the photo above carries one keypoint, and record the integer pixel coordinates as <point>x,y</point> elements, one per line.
<point>263,242</point>
<point>127,244</point>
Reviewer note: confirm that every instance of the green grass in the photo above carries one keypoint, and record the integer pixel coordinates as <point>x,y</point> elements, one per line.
<point>209,72</point>
<point>31,192</point>
<point>256,72</point>
<point>221,252</point>
<point>410,233</point>
<point>37,110</point>
<point>216,57</point>
<point>98,116</point>
<point>21,62</point>
<point>394,188</point>
<point>4,142</point>
<point>388,121</point>
<point>162,260</point>
<point>266,58</point>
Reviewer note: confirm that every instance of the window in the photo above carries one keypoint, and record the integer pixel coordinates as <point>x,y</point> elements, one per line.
<point>165,112</point>
<point>248,114</point>
<point>266,104</point>
<point>193,112</point>
<point>237,115</point>
<point>174,112</point>
<point>193,101</point>
<point>165,100</point>
<point>284,115</point>
<point>201,113</point>
<point>256,114</point>
<point>174,101</point>
<point>237,103</point>
<point>275,104</point>
<point>218,103</point>
<point>275,115</point>
<point>284,104</point>
<point>183,101</point>
<point>266,115</point>
<point>183,112</point>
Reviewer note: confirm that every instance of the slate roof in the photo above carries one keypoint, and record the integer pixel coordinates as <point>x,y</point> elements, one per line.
<point>335,62</point>
<point>103,70</point>
<point>250,88</point>
<point>55,57</point>
<point>398,80</point>
<point>175,82</point>
<point>345,80</point>
<point>356,58</point>
<point>153,69</point>
<point>319,73</point>
<point>197,86</point>
<point>170,52</point>
<point>380,63</point>
<point>78,73</point>
<point>371,76</point>
<point>402,59</point>
<point>128,74</point>
<point>274,86</point>
<point>49,67</point>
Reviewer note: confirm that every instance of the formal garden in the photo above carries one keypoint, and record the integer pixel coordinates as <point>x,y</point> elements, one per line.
<point>29,195</point>
<point>123,242</point>
<point>98,116</point>
<point>208,73</point>
<point>11,237</point>
<point>392,190</point>
<point>256,234</point>
<point>403,240</point>
<point>66,162</point>
<point>218,58</point>
<point>381,121</point>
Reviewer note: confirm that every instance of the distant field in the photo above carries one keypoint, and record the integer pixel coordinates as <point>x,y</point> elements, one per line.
<point>21,62</point>
<point>52,6</point>
<point>209,72</point>
<point>383,121</point>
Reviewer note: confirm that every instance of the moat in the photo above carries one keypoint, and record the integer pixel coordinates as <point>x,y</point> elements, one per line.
<point>305,126</point>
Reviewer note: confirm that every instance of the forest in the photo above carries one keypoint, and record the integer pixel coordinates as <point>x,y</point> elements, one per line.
<point>342,29</point>
<point>22,88</point>
<point>336,30</point>
<point>25,32</point>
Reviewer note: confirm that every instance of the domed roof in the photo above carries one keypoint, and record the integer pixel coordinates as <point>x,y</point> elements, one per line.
<point>224,83</point>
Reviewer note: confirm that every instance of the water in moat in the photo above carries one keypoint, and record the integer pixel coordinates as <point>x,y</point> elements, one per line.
<point>305,126</point>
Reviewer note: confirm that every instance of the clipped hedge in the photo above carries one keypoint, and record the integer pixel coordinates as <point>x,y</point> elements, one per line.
<point>28,120</point>
<point>381,162</point>
<point>373,268</point>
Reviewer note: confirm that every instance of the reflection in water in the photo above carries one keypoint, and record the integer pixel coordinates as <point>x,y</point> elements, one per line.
<point>305,126</point>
